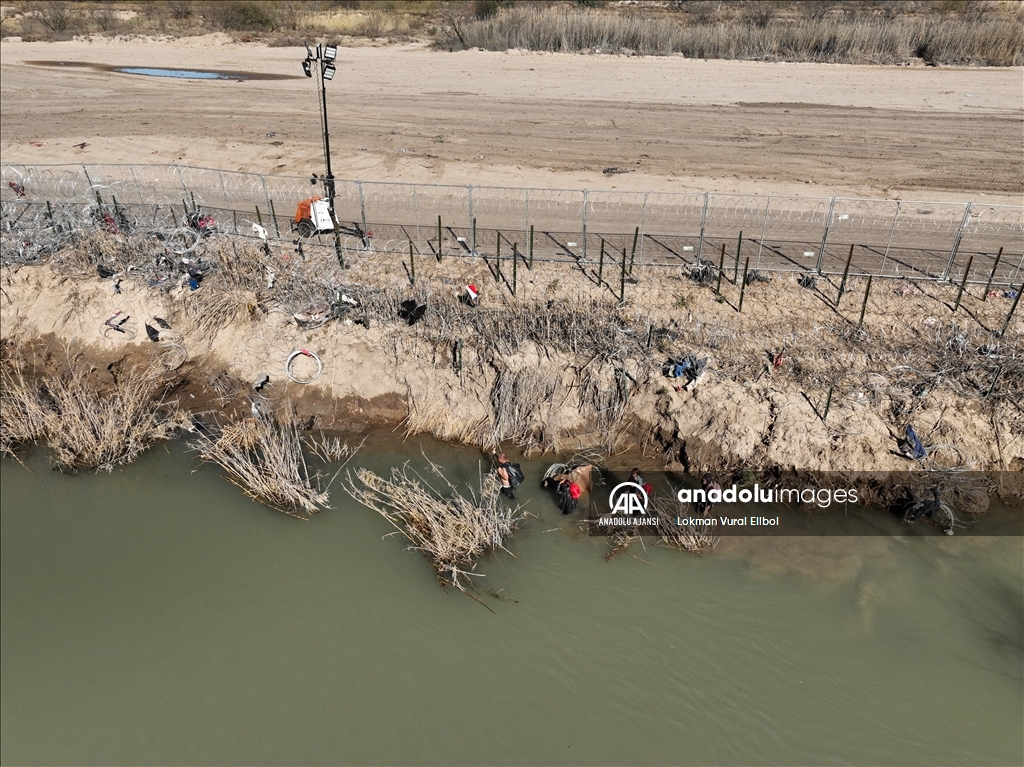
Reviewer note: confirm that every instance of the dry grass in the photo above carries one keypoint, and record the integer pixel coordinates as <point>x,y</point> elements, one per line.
<point>664,512</point>
<point>984,41</point>
<point>523,401</point>
<point>689,538</point>
<point>976,33</point>
<point>287,22</point>
<point>450,529</point>
<point>263,455</point>
<point>431,414</point>
<point>84,425</point>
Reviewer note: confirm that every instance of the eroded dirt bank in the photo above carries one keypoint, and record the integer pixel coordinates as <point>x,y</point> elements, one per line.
<point>790,384</point>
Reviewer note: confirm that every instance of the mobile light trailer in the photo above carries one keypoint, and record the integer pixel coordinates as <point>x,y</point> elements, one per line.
<point>313,216</point>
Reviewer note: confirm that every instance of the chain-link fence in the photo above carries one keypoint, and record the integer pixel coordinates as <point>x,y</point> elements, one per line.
<point>886,238</point>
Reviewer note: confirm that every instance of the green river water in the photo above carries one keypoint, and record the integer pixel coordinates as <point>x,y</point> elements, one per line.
<point>157,616</point>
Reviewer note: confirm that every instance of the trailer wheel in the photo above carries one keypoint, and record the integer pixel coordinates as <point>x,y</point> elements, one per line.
<point>305,228</point>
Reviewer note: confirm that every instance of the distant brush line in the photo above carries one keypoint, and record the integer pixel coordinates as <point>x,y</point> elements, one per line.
<point>992,41</point>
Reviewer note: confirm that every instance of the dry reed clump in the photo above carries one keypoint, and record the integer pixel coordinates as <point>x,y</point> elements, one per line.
<point>450,529</point>
<point>664,513</point>
<point>432,414</point>
<point>86,426</point>
<point>984,41</point>
<point>682,537</point>
<point>605,396</point>
<point>522,402</point>
<point>263,456</point>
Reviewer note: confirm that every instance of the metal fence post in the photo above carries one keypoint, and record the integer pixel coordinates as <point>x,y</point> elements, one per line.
<point>469,198</point>
<point>266,193</point>
<point>86,172</point>
<point>416,213</point>
<point>181,178</point>
<point>138,186</point>
<point>703,220</point>
<point>586,197</point>
<point>527,208</point>
<point>1013,308</point>
<point>824,236</point>
<point>362,215</point>
<point>764,225</point>
<point>956,241</point>
<point>892,231</point>
<point>643,222</point>
<point>984,293</point>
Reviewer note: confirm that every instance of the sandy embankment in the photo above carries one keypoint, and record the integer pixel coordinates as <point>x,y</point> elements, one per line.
<point>744,413</point>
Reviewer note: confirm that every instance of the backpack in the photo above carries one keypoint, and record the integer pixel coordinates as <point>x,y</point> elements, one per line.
<point>515,475</point>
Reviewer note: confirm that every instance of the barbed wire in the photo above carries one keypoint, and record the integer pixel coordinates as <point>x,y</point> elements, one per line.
<point>44,206</point>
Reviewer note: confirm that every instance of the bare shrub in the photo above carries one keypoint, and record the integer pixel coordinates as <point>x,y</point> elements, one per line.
<point>179,10</point>
<point>816,10</point>
<point>450,529</point>
<point>55,15</point>
<point>453,19</point>
<point>682,537</point>
<point>521,399</point>
<point>85,425</point>
<point>263,456</point>
<point>243,15</point>
<point>759,14</point>
<point>106,18</point>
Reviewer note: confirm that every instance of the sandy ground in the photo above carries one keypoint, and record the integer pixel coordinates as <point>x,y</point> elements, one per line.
<point>743,413</point>
<point>529,119</point>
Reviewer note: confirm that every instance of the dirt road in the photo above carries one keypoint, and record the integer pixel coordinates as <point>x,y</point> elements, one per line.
<point>403,113</point>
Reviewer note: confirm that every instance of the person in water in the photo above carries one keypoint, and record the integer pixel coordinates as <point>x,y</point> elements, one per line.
<point>504,472</point>
<point>638,479</point>
<point>707,484</point>
<point>568,495</point>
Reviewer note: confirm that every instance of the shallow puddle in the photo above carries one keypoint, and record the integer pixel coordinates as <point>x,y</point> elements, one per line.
<point>172,72</point>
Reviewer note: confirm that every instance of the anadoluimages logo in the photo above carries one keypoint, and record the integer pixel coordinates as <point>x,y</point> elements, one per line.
<point>627,499</point>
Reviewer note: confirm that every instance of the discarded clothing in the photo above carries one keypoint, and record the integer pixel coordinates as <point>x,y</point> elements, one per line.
<point>702,274</point>
<point>911,508</point>
<point>411,311</point>
<point>914,446</point>
<point>687,366</point>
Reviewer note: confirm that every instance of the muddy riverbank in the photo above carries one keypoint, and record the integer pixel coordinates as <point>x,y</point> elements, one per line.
<point>791,383</point>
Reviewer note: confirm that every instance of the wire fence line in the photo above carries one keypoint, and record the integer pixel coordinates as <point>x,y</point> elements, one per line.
<point>973,242</point>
